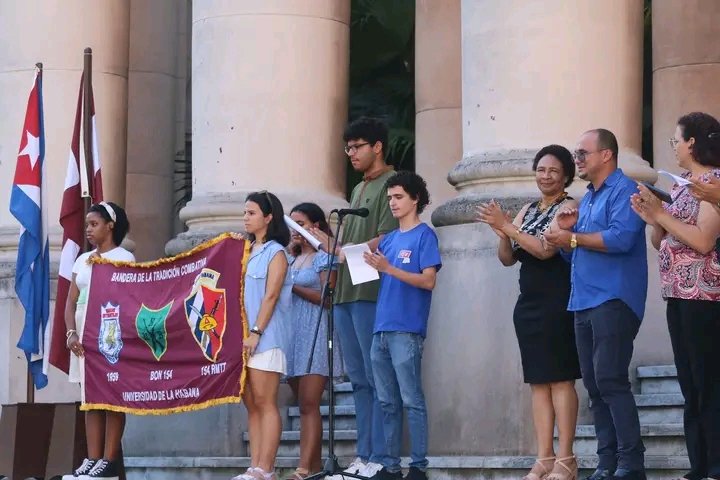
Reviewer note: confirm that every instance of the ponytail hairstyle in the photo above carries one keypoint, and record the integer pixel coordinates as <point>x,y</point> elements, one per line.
<point>277,228</point>
<point>112,212</point>
<point>705,129</point>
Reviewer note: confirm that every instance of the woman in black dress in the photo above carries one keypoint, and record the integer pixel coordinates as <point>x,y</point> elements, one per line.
<point>543,325</point>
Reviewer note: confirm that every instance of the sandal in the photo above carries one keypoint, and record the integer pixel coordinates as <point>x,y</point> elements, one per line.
<point>539,462</point>
<point>299,474</point>
<point>568,473</point>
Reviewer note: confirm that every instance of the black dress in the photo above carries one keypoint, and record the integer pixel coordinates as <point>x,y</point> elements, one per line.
<point>544,327</point>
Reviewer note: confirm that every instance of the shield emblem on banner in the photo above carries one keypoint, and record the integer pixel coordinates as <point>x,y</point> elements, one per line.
<point>110,338</point>
<point>206,311</point>
<point>151,328</point>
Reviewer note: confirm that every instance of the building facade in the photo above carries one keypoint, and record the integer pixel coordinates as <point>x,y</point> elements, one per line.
<point>495,81</point>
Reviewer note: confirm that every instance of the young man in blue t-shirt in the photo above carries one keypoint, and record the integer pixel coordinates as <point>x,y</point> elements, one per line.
<point>408,260</point>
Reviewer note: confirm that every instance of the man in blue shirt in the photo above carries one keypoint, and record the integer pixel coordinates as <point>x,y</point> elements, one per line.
<point>609,286</point>
<point>408,260</point>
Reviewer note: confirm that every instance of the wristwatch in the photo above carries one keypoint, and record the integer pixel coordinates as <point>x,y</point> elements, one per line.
<point>256,330</point>
<point>573,241</point>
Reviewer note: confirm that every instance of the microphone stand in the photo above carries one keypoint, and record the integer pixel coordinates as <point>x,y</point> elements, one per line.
<point>331,466</point>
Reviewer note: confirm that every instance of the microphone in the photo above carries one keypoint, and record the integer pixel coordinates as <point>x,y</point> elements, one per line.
<point>360,212</point>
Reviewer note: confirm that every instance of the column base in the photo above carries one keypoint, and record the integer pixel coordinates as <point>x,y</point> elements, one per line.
<point>209,215</point>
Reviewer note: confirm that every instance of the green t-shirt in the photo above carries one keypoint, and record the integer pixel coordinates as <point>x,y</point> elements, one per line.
<point>372,195</point>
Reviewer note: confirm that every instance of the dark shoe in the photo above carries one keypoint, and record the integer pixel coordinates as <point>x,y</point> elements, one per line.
<point>621,474</point>
<point>600,474</point>
<point>385,475</point>
<point>416,474</point>
<point>83,469</point>
<point>103,469</point>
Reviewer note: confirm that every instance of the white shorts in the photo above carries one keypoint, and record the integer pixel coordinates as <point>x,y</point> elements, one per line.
<point>272,360</point>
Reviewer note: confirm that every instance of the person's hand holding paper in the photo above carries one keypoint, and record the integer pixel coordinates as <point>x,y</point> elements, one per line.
<point>360,271</point>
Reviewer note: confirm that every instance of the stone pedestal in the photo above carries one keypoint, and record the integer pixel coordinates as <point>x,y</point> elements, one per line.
<point>269,118</point>
<point>686,68</point>
<point>532,74</point>
<point>438,96</point>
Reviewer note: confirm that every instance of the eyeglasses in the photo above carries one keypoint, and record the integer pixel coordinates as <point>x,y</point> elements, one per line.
<point>673,142</point>
<point>350,149</point>
<point>581,154</point>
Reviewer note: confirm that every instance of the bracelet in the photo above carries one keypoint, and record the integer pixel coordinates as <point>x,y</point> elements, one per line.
<point>256,331</point>
<point>70,333</point>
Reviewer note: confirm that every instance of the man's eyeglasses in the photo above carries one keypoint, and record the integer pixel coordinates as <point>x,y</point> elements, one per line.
<point>350,149</point>
<point>581,154</point>
<point>673,142</point>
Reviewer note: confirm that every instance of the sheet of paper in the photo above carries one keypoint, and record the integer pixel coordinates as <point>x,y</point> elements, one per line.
<point>675,178</point>
<point>360,272</point>
<point>305,234</point>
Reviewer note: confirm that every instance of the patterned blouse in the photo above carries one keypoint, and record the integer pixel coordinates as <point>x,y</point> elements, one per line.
<point>536,221</point>
<point>685,273</point>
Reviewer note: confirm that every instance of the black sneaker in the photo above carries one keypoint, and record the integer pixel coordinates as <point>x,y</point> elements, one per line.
<point>385,475</point>
<point>103,469</point>
<point>415,474</point>
<point>600,474</point>
<point>83,469</point>
<point>629,475</point>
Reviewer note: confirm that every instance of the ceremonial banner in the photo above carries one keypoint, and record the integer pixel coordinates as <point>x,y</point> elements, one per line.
<point>166,336</point>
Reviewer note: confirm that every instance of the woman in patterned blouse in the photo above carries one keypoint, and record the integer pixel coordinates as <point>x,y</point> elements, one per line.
<point>685,233</point>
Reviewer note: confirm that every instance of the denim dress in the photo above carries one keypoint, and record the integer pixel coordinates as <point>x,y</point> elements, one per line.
<point>277,332</point>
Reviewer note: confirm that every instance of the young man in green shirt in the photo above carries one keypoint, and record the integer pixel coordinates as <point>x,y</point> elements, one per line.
<point>366,142</point>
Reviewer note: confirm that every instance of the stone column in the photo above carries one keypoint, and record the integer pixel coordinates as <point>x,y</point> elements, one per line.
<point>686,68</point>
<point>270,87</point>
<point>438,95</point>
<point>56,32</point>
<point>152,129</point>
<point>534,73</point>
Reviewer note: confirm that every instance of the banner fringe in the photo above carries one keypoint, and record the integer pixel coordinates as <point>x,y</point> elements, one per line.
<point>160,411</point>
<point>162,261</point>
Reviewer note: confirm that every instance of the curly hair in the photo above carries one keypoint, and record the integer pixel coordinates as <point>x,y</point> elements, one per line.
<point>414,185</point>
<point>372,130</point>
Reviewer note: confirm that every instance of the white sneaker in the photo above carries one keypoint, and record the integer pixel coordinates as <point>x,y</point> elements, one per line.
<point>246,475</point>
<point>83,469</point>
<point>370,469</point>
<point>355,467</point>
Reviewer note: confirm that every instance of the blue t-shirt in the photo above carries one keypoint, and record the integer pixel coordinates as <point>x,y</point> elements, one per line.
<point>400,306</point>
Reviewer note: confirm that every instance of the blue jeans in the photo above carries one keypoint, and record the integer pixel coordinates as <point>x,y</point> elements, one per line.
<point>355,322</point>
<point>396,358</point>
<point>604,336</point>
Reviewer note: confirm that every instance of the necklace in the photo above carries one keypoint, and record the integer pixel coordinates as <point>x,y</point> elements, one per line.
<point>542,206</point>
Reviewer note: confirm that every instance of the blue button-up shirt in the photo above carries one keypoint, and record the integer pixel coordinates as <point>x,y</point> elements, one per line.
<point>621,271</point>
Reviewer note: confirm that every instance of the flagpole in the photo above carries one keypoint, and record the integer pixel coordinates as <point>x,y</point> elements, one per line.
<point>30,392</point>
<point>87,132</point>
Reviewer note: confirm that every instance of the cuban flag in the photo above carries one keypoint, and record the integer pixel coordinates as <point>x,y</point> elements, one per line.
<point>28,206</point>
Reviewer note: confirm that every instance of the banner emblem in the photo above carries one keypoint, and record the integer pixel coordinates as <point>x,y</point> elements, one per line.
<point>110,339</point>
<point>152,330</point>
<point>206,311</point>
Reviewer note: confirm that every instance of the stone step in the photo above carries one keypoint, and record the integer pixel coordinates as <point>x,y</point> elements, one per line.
<point>440,468</point>
<point>659,439</point>
<point>345,443</point>
<point>660,408</point>
<point>343,394</point>
<point>658,379</point>
<point>344,417</point>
